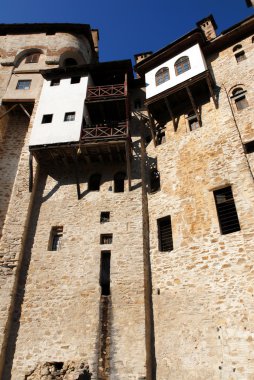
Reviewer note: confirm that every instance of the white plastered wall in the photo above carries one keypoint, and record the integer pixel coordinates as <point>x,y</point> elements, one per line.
<point>58,100</point>
<point>197,63</point>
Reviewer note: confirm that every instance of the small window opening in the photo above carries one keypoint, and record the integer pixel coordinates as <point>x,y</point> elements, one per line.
<point>182,65</point>
<point>47,119</point>
<point>148,138</point>
<point>75,80</point>
<point>32,58</point>
<point>162,76</point>
<point>69,116</point>
<point>165,237</point>
<point>58,365</point>
<point>119,182</point>
<point>70,62</point>
<point>55,82</point>
<point>161,137</point>
<point>237,47</point>
<point>94,182</point>
<point>56,236</point>
<point>137,104</point>
<point>105,216</point>
<point>105,273</point>
<point>106,238</point>
<point>23,84</point>
<point>240,98</point>
<point>240,56</point>
<point>226,210</point>
<point>249,147</point>
<point>154,180</point>
<point>193,121</point>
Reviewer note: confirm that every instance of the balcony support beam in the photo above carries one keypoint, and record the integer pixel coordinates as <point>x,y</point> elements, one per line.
<point>30,172</point>
<point>208,81</point>
<point>170,113</point>
<point>194,106</point>
<point>152,126</point>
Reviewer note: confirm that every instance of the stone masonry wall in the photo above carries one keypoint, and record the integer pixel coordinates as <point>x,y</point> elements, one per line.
<point>202,290</point>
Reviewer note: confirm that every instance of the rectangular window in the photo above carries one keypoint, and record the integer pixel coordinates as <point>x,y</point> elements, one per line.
<point>75,80</point>
<point>55,238</point>
<point>69,116</point>
<point>226,210</point>
<point>106,239</point>
<point>241,102</point>
<point>105,216</point>
<point>193,122</point>
<point>32,58</point>
<point>55,82</point>
<point>165,237</point>
<point>249,147</point>
<point>105,273</point>
<point>23,84</point>
<point>47,119</point>
<point>240,56</point>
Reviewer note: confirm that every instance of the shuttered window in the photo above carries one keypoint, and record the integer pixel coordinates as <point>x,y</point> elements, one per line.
<point>226,210</point>
<point>165,237</point>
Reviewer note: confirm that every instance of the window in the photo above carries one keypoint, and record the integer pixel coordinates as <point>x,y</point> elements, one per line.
<point>70,62</point>
<point>226,210</point>
<point>119,182</point>
<point>193,121</point>
<point>47,119</point>
<point>75,80</point>
<point>154,180</point>
<point>137,104</point>
<point>238,95</point>
<point>240,55</point>
<point>165,237</point>
<point>161,137</point>
<point>249,147</point>
<point>24,84</point>
<point>32,58</point>
<point>55,238</point>
<point>94,182</point>
<point>106,239</point>
<point>162,76</point>
<point>69,116</point>
<point>182,65</point>
<point>105,273</point>
<point>105,216</point>
<point>55,82</point>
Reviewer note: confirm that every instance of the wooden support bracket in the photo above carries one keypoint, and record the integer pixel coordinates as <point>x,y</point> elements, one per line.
<point>171,113</point>
<point>152,126</point>
<point>30,172</point>
<point>194,106</point>
<point>208,81</point>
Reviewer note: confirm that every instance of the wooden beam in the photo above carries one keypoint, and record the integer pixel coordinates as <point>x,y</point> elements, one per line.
<point>152,126</point>
<point>9,110</point>
<point>30,172</point>
<point>208,81</point>
<point>128,162</point>
<point>170,113</point>
<point>194,106</point>
<point>23,108</point>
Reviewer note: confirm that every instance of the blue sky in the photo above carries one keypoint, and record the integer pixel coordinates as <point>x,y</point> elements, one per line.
<point>128,27</point>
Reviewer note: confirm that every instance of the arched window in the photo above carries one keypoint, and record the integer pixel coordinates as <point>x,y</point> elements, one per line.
<point>154,180</point>
<point>70,62</point>
<point>32,58</point>
<point>240,55</point>
<point>182,65</point>
<point>162,76</point>
<point>94,182</point>
<point>119,182</point>
<point>237,47</point>
<point>239,97</point>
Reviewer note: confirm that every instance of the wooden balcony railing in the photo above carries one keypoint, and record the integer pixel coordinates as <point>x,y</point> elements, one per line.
<point>112,91</point>
<point>104,131</point>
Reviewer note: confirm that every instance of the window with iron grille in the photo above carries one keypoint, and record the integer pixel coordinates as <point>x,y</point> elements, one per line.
<point>226,210</point>
<point>165,237</point>
<point>106,239</point>
<point>105,273</point>
<point>32,58</point>
<point>23,84</point>
<point>162,76</point>
<point>55,238</point>
<point>239,97</point>
<point>105,216</point>
<point>182,65</point>
<point>69,116</point>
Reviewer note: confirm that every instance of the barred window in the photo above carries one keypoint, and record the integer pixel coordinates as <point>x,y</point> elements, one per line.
<point>69,116</point>
<point>165,237</point>
<point>226,210</point>
<point>32,58</point>
<point>106,239</point>
<point>55,240</point>
<point>182,65</point>
<point>162,76</point>
<point>23,84</point>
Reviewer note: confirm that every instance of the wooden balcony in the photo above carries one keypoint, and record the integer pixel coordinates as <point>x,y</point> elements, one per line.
<point>104,132</point>
<point>109,92</point>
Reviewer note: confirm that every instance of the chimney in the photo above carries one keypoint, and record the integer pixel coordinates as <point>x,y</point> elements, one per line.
<point>208,27</point>
<point>95,37</point>
<point>139,57</point>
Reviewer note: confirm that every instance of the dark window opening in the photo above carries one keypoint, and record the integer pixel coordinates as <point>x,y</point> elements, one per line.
<point>137,104</point>
<point>105,216</point>
<point>94,182</point>
<point>70,62</point>
<point>69,116</point>
<point>47,119</point>
<point>240,98</point>
<point>240,56</point>
<point>249,147</point>
<point>119,182</point>
<point>162,76</point>
<point>32,58</point>
<point>226,211</point>
<point>182,65</point>
<point>237,47</point>
<point>55,238</point>
<point>148,138</point>
<point>106,238</point>
<point>55,82</point>
<point>75,80</point>
<point>193,121</point>
<point>154,180</point>
<point>105,273</point>
<point>161,137</point>
<point>23,84</point>
<point>165,237</point>
<point>58,365</point>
